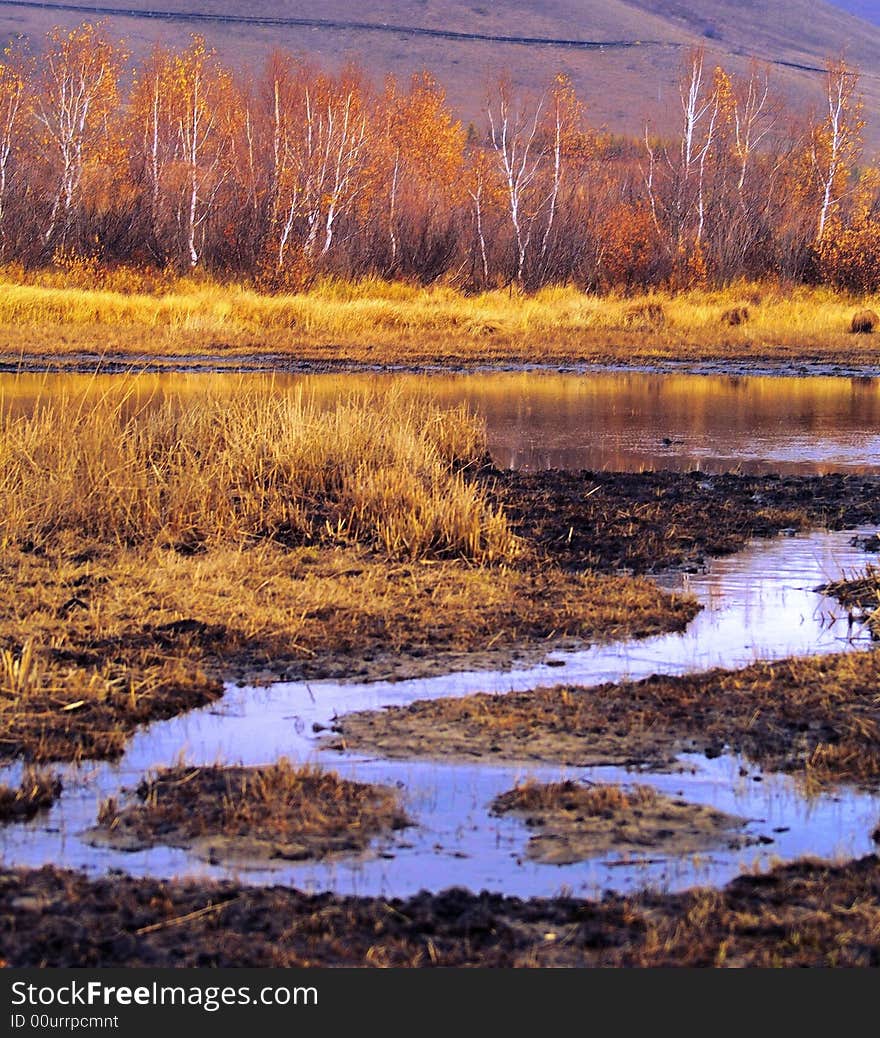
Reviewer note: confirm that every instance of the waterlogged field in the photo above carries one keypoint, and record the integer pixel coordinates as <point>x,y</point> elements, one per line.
<point>357,635</point>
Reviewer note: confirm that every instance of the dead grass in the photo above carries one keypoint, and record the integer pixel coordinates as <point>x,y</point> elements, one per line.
<point>861,596</point>
<point>818,717</point>
<point>380,471</point>
<point>149,550</point>
<point>372,321</point>
<point>90,490</point>
<point>590,799</point>
<point>277,811</point>
<point>37,792</point>
<point>98,639</point>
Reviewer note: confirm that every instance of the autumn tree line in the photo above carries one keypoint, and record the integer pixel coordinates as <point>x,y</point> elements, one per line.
<point>179,163</point>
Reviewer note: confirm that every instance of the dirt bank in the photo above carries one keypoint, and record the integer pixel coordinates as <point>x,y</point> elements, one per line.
<point>803,914</point>
<point>815,716</point>
<point>574,821</point>
<point>251,816</point>
<point>82,358</point>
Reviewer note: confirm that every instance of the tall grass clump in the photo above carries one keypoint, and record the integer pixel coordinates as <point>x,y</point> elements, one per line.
<point>376,470</point>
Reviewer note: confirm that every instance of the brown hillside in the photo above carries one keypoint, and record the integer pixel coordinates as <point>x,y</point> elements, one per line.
<point>628,74</point>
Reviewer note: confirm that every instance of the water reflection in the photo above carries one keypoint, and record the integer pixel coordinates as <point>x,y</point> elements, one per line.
<point>758,605</point>
<point>623,421</point>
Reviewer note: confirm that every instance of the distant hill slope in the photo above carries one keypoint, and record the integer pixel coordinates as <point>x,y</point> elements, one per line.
<point>867,9</point>
<point>623,55</point>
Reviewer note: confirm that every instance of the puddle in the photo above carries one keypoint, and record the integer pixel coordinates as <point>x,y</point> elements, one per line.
<point>758,605</point>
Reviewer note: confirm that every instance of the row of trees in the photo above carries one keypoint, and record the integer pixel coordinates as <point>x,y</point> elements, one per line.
<point>178,162</point>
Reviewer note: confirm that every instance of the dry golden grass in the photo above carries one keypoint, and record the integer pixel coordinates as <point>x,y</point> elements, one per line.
<point>392,322</point>
<point>250,465</point>
<point>149,550</point>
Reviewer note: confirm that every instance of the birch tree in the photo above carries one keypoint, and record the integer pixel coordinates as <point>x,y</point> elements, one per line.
<point>513,133</point>
<point>76,99</point>
<point>836,141</point>
<point>14,83</point>
<point>189,110</point>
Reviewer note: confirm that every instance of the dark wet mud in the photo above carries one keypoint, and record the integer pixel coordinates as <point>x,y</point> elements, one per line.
<point>647,522</point>
<point>803,914</point>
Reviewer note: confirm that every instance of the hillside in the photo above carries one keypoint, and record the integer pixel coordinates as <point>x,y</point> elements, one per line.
<point>623,55</point>
<point>867,9</point>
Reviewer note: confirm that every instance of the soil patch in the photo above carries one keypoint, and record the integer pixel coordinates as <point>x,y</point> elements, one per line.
<point>818,716</point>
<point>36,793</point>
<point>804,914</point>
<point>576,821</point>
<point>646,522</point>
<point>251,815</point>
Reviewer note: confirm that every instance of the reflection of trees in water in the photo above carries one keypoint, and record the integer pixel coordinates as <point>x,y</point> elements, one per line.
<point>630,420</point>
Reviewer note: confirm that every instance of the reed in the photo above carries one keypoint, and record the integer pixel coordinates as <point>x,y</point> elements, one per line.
<point>251,465</point>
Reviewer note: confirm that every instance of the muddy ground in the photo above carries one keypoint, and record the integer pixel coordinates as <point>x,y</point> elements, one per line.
<point>36,792</point>
<point>150,636</point>
<point>251,815</point>
<point>803,914</point>
<point>575,821</point>
<point>818,717</point>
<point>119,637</point>
<point>96,640</point>
<point>647,522</point>
<point>80,357</point>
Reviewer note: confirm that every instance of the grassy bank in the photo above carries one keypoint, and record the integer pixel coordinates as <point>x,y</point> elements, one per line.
<point>146,553</point>
<point>382,323</point>
<point>383,472</point>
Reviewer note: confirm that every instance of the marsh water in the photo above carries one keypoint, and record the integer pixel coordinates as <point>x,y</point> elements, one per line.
<point>615,420</point>
<point>759,604</point>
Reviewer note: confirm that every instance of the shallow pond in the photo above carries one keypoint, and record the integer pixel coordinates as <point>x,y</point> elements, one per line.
<point>758,604</point>
<point>616,420</point>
